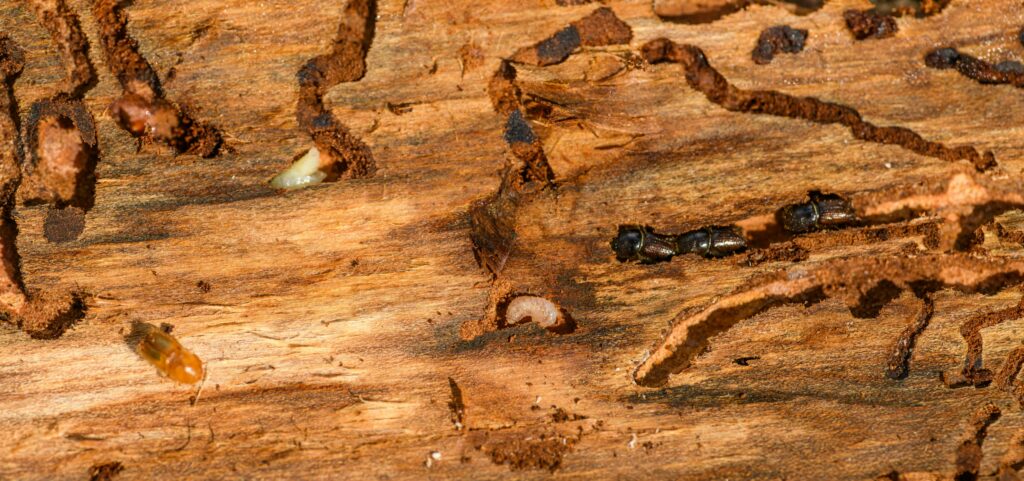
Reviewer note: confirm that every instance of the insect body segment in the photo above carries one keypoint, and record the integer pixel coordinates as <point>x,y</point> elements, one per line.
<point>823,211</point>
<point>714,241</point>
<point>169,356</point>
<point>641,243</point>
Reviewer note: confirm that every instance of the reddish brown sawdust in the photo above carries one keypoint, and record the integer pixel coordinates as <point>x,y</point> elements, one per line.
<point>852,280</point>
<point>343,155</point>
<point>870,24</point>
<point>972,372</point>
<point>964,202</point>
<point>505,94</point>
<point>701,76</point>
<point>1006,378</point>
<point>541,452</point>
<point>49,313</point>
<point>784,252</point>
<point>1013,460</point>
<point>778,39</point>
<point>471,55</point>
<point>899,360</point>
<point>969,454</point>
<point>61,146</point>
<point>501,292</point>
<point>599,28</point>
<point>61,157</point>
<point>972,67</point>
<point>72,44</point>
<point>105,471</point>
<point>928,231</point>
<point>12,60</point>
<point>63,225</point>
<point>142,109</point>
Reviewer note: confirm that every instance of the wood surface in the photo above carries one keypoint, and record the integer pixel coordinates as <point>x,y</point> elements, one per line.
<point>348,331</point>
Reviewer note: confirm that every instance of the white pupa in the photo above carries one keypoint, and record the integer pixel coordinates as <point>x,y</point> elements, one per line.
<point>303,173</point>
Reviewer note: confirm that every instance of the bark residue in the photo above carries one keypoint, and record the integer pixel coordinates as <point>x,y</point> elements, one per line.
<point>142,110</point>
<point>701,76</point>
<point>1006,235</point>
<point>342,154</point>
<point>492,231</point>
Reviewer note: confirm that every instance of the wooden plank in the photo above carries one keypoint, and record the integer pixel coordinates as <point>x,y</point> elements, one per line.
<point>331,318</point>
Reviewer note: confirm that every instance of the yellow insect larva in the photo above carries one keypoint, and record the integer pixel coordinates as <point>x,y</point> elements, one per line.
<point>169,356</point>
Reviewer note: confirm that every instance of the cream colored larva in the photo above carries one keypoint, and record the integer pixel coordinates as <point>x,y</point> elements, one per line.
<point>303,173</point>
<point>537,309</point>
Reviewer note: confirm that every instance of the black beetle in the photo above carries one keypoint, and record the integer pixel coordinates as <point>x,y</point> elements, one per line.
<point>641,243</point>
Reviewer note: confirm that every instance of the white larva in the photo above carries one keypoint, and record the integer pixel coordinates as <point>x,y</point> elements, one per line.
<point>537,309</point>
<point>303,173</point>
